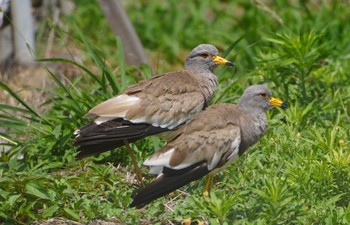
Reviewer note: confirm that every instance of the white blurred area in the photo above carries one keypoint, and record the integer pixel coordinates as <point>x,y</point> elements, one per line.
<point>4,6</point>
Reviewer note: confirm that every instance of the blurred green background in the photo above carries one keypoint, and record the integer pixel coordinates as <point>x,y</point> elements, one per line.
<point>299,173</point>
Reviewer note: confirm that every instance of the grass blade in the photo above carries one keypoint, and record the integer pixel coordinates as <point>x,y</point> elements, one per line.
<point>92,75</point>
<point>22,102</point>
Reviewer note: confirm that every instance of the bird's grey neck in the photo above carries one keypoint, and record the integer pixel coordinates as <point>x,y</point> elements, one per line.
<point>211,88</point>
<point>249,110</point>
<point>254,126</point>
<point>208,84</point>
<point>199,68</point>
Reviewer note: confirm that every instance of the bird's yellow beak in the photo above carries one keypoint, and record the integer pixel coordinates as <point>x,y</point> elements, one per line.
<point>222,61</point>
<point>278,103</point>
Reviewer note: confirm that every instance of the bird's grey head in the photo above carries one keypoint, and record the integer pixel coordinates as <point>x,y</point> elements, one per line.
<point>205,57</point>
<point>257,98</point>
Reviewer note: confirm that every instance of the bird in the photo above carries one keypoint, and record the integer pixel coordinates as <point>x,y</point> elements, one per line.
<point>152,106</point>
<point>208,143</point>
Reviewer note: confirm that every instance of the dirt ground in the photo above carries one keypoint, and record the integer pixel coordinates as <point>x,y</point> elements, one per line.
<point>30,82</point>
<point>27,82</point>
<point>63,221</point>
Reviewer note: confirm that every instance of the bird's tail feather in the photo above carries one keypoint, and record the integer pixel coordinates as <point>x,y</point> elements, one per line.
<point>94,139</point>
<point>169,182</point>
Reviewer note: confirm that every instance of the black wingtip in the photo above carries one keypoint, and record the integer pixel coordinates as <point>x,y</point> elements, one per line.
<point>167,183</point>
<point>94,139</point>
<point>137,205</point>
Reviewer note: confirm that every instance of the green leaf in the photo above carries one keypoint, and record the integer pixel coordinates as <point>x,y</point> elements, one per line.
<point>3,215</point>
<point>49,212</point>
<point>92,75</point>
<point>13,108</point>
<point>333,200</point>
<point>12,199</point>
<point>57,131</point>
<point>29,210</point>
<point>37,190</point>
<point>99,62</point>
<point>71,213</point>
<point>214,221</point>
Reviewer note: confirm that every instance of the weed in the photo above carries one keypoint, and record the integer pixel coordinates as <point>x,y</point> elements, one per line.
<point>298,173</point>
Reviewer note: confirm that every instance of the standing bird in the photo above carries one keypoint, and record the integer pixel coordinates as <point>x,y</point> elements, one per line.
<point>152,106</point>
<point>208,143</point>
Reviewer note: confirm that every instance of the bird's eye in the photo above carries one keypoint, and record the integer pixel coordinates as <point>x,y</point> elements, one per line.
<point>263,95</point>
<point>205,55</point>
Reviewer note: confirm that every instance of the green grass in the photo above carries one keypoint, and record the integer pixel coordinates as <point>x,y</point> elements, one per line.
<point>299,172</point>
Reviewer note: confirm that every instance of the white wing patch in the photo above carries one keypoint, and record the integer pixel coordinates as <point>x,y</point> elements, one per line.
<point>156,170</point>
<point>234,145</point>
<point>139,120</point>
<point>212,164</point>
<point>170,123</point>
<point>119,106</point>
<point>125,99</point>
<point>232,157</point>
<point>164,120</point>
<point>103,119</point>
<point>116,107</point>
<point>175,123</point>
<point>160,160</point>
<point>76,132</point>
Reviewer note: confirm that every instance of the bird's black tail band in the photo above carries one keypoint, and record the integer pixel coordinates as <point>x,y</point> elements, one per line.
<point>94,139</point>
<point>169,182</point>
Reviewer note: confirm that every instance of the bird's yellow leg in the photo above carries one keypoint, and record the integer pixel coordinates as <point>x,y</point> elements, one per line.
<point>207,185</point>
<point>186,221</point>
<point>134,162</point>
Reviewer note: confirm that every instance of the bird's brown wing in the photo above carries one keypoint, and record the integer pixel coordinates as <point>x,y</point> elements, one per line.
<point>165,101</point>
<point>205,141</point>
